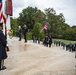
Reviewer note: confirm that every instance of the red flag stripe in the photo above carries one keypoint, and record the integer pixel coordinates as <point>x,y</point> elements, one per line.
<point>9,10</point>
<point>1,12</point>
<point>0,6</point>
<point>1,17</point>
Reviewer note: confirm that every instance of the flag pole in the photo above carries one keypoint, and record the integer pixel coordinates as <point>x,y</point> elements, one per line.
<point>5,17</point>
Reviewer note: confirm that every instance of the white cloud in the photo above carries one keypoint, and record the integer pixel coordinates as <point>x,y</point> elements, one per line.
<point>67,7</point>
<point>18,4</point>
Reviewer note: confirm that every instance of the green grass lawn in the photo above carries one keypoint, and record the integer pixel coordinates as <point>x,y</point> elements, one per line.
<point>65,41</point>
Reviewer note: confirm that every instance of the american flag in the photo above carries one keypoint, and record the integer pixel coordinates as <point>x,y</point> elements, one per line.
<point>9,7</point>
<point>1,11</point>
<point>44,28</point>
<point>2,16</point>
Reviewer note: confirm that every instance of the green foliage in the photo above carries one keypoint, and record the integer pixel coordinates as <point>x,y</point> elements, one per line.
<point>56,23</point>
<point>70,33</point>
<point>36,31</point>
<point>30,16</point>
<point>57,26</point>
<point>14,26</point>
<point>29,35</point>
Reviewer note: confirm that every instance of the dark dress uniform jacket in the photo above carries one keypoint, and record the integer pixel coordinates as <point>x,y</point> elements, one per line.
<point>3,54</point>
<point>25,31</point>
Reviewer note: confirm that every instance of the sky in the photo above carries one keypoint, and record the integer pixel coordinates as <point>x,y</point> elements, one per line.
<point>67,7</point>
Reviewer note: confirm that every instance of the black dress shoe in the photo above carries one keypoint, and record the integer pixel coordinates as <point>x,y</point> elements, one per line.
<point>19,40</point>
<point>3,68</point>
<point>0,68</point>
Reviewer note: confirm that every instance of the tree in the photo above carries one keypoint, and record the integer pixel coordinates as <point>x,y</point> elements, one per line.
<point>36,31</point>
<point>14,25</point>
<point>39,17</point>
<point>56,23</point>
<point>27,17</point>
<point>30,16</point>
<point>57,26</point>
<point>70,34</point>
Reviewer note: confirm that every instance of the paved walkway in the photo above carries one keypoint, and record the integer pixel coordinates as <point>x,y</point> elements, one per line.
<point>35,59</point>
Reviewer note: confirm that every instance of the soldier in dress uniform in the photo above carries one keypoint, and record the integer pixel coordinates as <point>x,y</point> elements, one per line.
<point>50,41</point>
<point>3,53</point>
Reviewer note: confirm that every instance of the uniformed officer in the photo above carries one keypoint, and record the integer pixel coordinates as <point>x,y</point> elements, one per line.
<point>3,54</point>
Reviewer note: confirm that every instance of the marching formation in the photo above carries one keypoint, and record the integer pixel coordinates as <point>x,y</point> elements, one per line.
<point>71,47</point>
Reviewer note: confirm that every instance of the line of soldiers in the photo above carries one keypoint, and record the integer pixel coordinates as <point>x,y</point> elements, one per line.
<point>36,40</point>
<point>47,41</point>
<point>70,47</point>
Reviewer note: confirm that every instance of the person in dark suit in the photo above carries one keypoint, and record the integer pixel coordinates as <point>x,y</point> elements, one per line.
<point>19,32</point>
<point>25,30</point>
<point>3,53</point>
<point>50,41</point>
<point>46,41</point>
